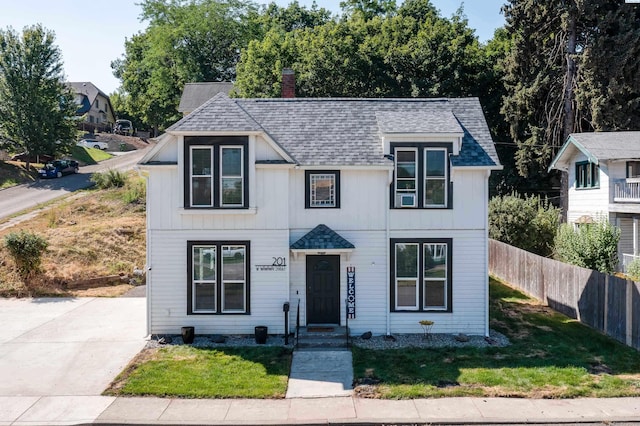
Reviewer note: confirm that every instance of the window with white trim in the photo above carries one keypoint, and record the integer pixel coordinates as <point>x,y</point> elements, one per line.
<point>421,274</point>
<point>216,172</point>
<point>435,176</point>
<point>322,189</point>
<point>421,175</point>
<point>218,277</point>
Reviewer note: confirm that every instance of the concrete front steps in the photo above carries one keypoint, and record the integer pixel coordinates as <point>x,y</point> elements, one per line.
<point>322,337</point>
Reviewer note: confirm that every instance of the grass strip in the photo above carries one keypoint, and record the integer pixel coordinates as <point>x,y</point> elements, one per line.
<point>191,372</point>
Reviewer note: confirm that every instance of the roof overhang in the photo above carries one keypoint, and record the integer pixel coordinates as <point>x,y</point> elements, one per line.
<point>321,252</point>
<point>561,160</point>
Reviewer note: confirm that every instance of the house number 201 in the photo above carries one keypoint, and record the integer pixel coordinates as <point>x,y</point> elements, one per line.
<point>279,261</point>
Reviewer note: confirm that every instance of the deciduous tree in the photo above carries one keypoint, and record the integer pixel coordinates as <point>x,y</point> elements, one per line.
<point>37,109</point>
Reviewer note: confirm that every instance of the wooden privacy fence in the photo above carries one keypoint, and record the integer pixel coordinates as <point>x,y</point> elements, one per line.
<point>604,302</point>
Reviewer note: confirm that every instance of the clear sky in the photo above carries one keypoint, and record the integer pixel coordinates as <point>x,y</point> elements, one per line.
<point>91,34</point>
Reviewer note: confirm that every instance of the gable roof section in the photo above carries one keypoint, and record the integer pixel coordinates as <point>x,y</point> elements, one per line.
<point>598,146</point>
<point>196,94</point>
<point>90,92</point>
<point>345,131</point>
<point>320,238</point>
<point>218,114</point>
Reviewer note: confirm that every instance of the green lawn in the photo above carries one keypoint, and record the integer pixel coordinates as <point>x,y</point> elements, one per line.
<point>551,356</point>
<point>89,156</point>
<point>14,173</point>
<point>189,372</point>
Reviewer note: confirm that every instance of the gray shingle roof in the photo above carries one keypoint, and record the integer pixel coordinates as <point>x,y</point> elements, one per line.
<point>196,94</point>
<point>610,145</point>
<point>345,131</point>
<point>321,237</point>
<point>418,122</point>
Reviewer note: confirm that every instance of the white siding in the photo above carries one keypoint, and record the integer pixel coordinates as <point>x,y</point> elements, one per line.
<point>268,289</point>
<point>370,259</point>
<point>362,201</point>
<point>469,200</point>
<point>166,204</point>
<point>588,201</point>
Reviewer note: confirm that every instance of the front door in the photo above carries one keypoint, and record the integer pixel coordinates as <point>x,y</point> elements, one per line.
<point>323,289</point>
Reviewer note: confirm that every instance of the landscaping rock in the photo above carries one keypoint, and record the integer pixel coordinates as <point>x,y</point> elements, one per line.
<point>218,338</point>
<point>367,335</point>
<point>462,338</point>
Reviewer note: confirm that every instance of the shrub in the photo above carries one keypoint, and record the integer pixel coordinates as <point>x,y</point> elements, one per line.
<point>633,270</point>
<point>592,246</point>
<point>26,249</point>
<point>528,223</point>
<point>135,191</point>
<point>109,179</point>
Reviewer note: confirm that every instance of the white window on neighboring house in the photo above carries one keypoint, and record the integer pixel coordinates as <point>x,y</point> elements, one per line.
<point>218,277</point>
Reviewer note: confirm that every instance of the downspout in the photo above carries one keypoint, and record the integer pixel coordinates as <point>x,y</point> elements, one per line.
<point>388,249</point>
<point>486,256</point>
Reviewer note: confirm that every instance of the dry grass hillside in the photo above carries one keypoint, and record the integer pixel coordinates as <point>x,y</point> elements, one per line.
<point>96,239</point>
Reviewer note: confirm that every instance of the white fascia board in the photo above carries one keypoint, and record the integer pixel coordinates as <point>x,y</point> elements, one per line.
<point>285,155</point>
<point>453,138</point>
<point>347,167</point>
<point>162,140</point>
<point>150,166</point>
<point>346,251</point>
<point>275,166</point>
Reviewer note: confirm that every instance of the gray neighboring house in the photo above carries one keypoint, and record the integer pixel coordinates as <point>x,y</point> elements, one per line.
<point>604,184</point>
<point>371,209</point>
<point>196,94</point>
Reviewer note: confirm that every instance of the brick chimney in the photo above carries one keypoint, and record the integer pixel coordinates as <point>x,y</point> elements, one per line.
<point>288,83</point>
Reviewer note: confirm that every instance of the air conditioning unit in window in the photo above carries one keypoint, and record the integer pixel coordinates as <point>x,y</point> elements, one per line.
<point>407,200</point>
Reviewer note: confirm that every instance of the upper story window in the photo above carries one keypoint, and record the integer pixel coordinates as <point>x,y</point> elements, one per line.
<point>633,169</point>
<point>587,175</point>
<point>322,189</point>
<point>216,172</point>
<point>421,176</point>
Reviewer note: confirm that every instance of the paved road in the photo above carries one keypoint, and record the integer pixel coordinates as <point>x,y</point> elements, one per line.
<point>18,198</point>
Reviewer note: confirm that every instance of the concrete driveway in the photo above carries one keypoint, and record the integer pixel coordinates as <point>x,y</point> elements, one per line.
<point>67,347</point>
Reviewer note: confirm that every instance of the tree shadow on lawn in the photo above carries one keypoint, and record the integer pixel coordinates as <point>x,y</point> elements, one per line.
<point>550,355</point>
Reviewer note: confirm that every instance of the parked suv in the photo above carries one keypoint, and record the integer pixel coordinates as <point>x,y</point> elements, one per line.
<point>123,127</point>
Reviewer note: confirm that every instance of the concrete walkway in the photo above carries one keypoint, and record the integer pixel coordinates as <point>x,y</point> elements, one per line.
<point>320,373</point>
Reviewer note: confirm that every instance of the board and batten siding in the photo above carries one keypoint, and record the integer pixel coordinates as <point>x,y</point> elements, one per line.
<point>166,204</point>
<point>168,292</point>
<point>370,258</point>
<point>588,201</point>
<point>470,281</point>
<point>362,201</point>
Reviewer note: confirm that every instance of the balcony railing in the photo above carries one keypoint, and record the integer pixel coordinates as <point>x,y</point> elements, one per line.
<point>626,261</point>
<point>627,191</point>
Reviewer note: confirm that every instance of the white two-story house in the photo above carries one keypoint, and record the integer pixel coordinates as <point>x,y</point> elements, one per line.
<point>604,183</point>
<point>371,209</point>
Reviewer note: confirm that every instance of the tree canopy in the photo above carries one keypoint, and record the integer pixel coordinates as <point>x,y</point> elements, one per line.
<point>37,109</point>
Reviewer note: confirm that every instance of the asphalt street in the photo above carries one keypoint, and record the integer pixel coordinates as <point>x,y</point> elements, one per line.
<point>18,198</point>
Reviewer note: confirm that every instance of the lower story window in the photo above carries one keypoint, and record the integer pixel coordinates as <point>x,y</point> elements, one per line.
<point>218,277</point>
<point>421,274</point>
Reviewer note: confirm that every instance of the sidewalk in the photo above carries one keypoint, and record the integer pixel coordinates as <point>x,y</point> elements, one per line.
<point>60,410</point>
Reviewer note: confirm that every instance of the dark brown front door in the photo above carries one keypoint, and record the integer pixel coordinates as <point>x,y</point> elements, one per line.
<point>323,289</point>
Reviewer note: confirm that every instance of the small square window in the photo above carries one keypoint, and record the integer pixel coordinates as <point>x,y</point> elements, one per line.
<point>322,189</point>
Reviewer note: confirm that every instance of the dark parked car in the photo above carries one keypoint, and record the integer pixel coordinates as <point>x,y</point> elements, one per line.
<point>57,168</point>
